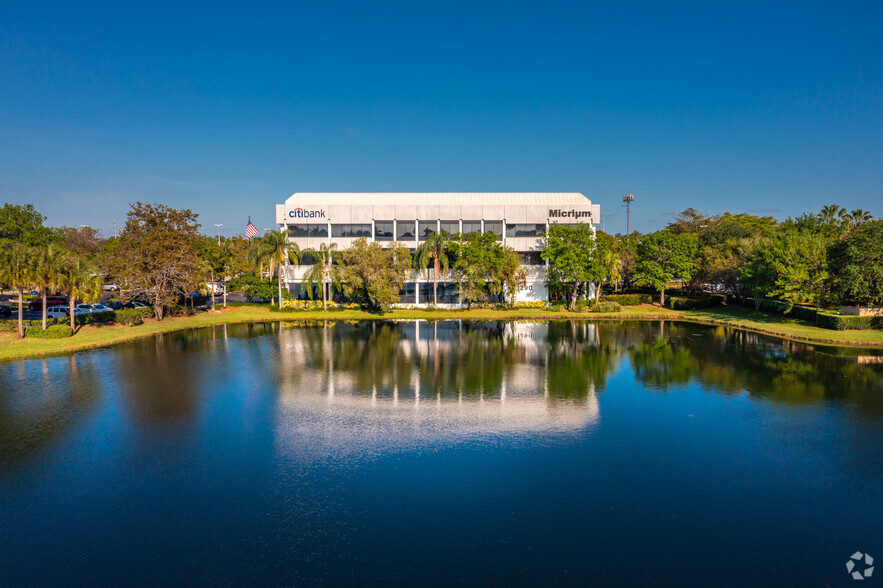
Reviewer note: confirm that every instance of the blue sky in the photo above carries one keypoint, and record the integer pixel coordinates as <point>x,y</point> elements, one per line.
<point>230,108</point>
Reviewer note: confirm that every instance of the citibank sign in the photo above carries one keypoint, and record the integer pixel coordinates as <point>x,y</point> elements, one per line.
<point>302,213</point>
<point>574,214</point>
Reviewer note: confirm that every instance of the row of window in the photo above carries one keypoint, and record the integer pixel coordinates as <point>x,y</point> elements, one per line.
<point>407,230</point>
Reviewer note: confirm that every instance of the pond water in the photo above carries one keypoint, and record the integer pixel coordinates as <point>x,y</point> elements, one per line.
<point>427,453</point>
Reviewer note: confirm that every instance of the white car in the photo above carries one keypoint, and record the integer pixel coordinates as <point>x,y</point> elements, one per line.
<point>63,311</point>
<point>91,308</point>
<point>111,287</point>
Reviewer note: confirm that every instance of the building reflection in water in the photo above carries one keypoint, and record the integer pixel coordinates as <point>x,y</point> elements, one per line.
<point>353,388</point>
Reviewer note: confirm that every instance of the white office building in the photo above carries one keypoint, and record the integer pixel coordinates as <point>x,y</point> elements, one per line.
<point>518,219</point>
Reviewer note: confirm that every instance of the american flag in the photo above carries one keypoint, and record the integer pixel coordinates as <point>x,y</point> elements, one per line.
<point>250,230</point>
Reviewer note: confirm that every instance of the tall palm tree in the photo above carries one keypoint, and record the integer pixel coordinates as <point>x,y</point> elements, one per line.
<point>323,272</point>
<point>434,249</point>
<point>225,259</point>
<point>275,248</point>
<point>17,272</point>
<point>82,281</point>
<point>49,271</point>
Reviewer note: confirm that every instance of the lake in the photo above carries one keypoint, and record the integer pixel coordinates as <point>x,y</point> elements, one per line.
<point>421,453</point>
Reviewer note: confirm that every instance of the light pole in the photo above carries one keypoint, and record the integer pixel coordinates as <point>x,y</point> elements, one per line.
<point>219,234</point>
<point>628,199</point>
<point>605,214</point>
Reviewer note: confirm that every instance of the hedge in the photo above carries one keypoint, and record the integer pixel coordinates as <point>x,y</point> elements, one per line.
<point>845,323</point>
<point>95,317</point>
<point>628,299</point>
<point>680,303</point>
<point>607,306</point>
<point>130,316</point>
<point>53,332</point>
<point>10,326</point>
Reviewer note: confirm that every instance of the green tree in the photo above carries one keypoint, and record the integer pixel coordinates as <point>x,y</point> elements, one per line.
<point>226,259</point>
<point>689,221</point>
<point>800,261</point>
<point>17,271</point>
<point>157,253</point>
<point>375,274</point>
<point>23,224</point>
<point>49,271</point>
<point>663,257</point>
<point>324,273</point>
<point>757,273</point>
<point>80,280</point>
<point>485,268</point>
<point>434,250</point>
<point>856,265</point>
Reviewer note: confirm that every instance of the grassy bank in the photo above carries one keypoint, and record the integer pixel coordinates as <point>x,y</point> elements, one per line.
<point>90,336</point>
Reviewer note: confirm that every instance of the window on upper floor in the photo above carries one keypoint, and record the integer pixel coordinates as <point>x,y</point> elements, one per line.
<point>525,230</point>
<point>405,230</point>
<point>383,231</point>
<point>307,231</point>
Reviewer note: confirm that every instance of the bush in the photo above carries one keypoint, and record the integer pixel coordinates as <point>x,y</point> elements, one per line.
<point>628,299</point>
<point>845,323</point>
<point>129,316</point>
<point>680,303</point>
<point>307,305</point>
<point>583,305</point>
<point>11,325</point>
<point>607,306</point>
<point>95,317</point>
<point>53,332</point>
<point>529,304</point>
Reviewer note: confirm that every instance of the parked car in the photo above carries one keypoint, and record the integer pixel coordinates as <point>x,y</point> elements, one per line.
<point>136,304</point>
<point>5,311</point>
<point>50,301</point>
<point>114,304</point>
<point>63,311</point>
<point>111,287</point>
<point>92,308</point>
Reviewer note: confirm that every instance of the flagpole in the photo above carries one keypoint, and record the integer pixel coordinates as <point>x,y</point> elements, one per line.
<point>249,248</point>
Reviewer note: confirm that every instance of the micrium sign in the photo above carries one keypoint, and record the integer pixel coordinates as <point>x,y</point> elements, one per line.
<point>574,214</point>
<point>301,213</point>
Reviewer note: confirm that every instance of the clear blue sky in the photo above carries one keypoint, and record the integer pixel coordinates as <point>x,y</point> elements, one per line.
<point>230,108</point>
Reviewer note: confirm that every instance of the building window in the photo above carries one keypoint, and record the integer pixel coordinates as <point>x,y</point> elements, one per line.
<point>350,230</point>
<point>426,228</point>
<point>307,230</point>
<point>530,258</point>
<point>495,227</point>
<point>471,227</point>
<point>383,231</point>
<point>450,227</point>
<point>405,230</point>
<point>306,259</point>
<point>525,230</point>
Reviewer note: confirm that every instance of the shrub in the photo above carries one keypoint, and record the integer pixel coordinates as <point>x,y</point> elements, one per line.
<point>583,305</point>
<point>95,317</point>
<point>129,317</point>
<point>845,323</point>
<point>11,325</point>
<point>607,306</point>
<point>628,299</point>
<point>53,332</point>
<point>680,303</point>
<point>306,305</point>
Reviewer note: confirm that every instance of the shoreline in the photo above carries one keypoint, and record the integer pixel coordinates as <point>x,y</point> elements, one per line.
<point>95,336</point>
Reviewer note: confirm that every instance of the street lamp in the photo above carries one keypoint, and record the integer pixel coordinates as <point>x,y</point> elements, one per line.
<point>628,199</point>
<point>219,234</point>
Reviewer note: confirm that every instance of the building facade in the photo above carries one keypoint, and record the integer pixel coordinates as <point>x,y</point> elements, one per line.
<point>518,219</point>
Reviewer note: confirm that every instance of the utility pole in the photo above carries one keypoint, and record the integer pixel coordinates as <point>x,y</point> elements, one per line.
<point>603,214</point>
<point>114,226</point>
<point>219,234</point>
<point>628,199</point>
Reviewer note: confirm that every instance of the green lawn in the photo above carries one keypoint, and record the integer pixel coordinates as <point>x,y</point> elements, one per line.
<point>100,335</point>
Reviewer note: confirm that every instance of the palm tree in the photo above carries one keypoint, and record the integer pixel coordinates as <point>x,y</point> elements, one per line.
<point>49,270</point>
<point>207,265</point>
<point>275,248</point>
<point>859,217</point>
<point>434,249</point>
<point>82,281</point>
<point>17,272</point>
<point>323,272</point>
<point>831,214</point>
<point>225,257</point>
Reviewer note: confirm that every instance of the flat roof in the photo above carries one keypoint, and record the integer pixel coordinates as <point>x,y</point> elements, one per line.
<point>439,198</point>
